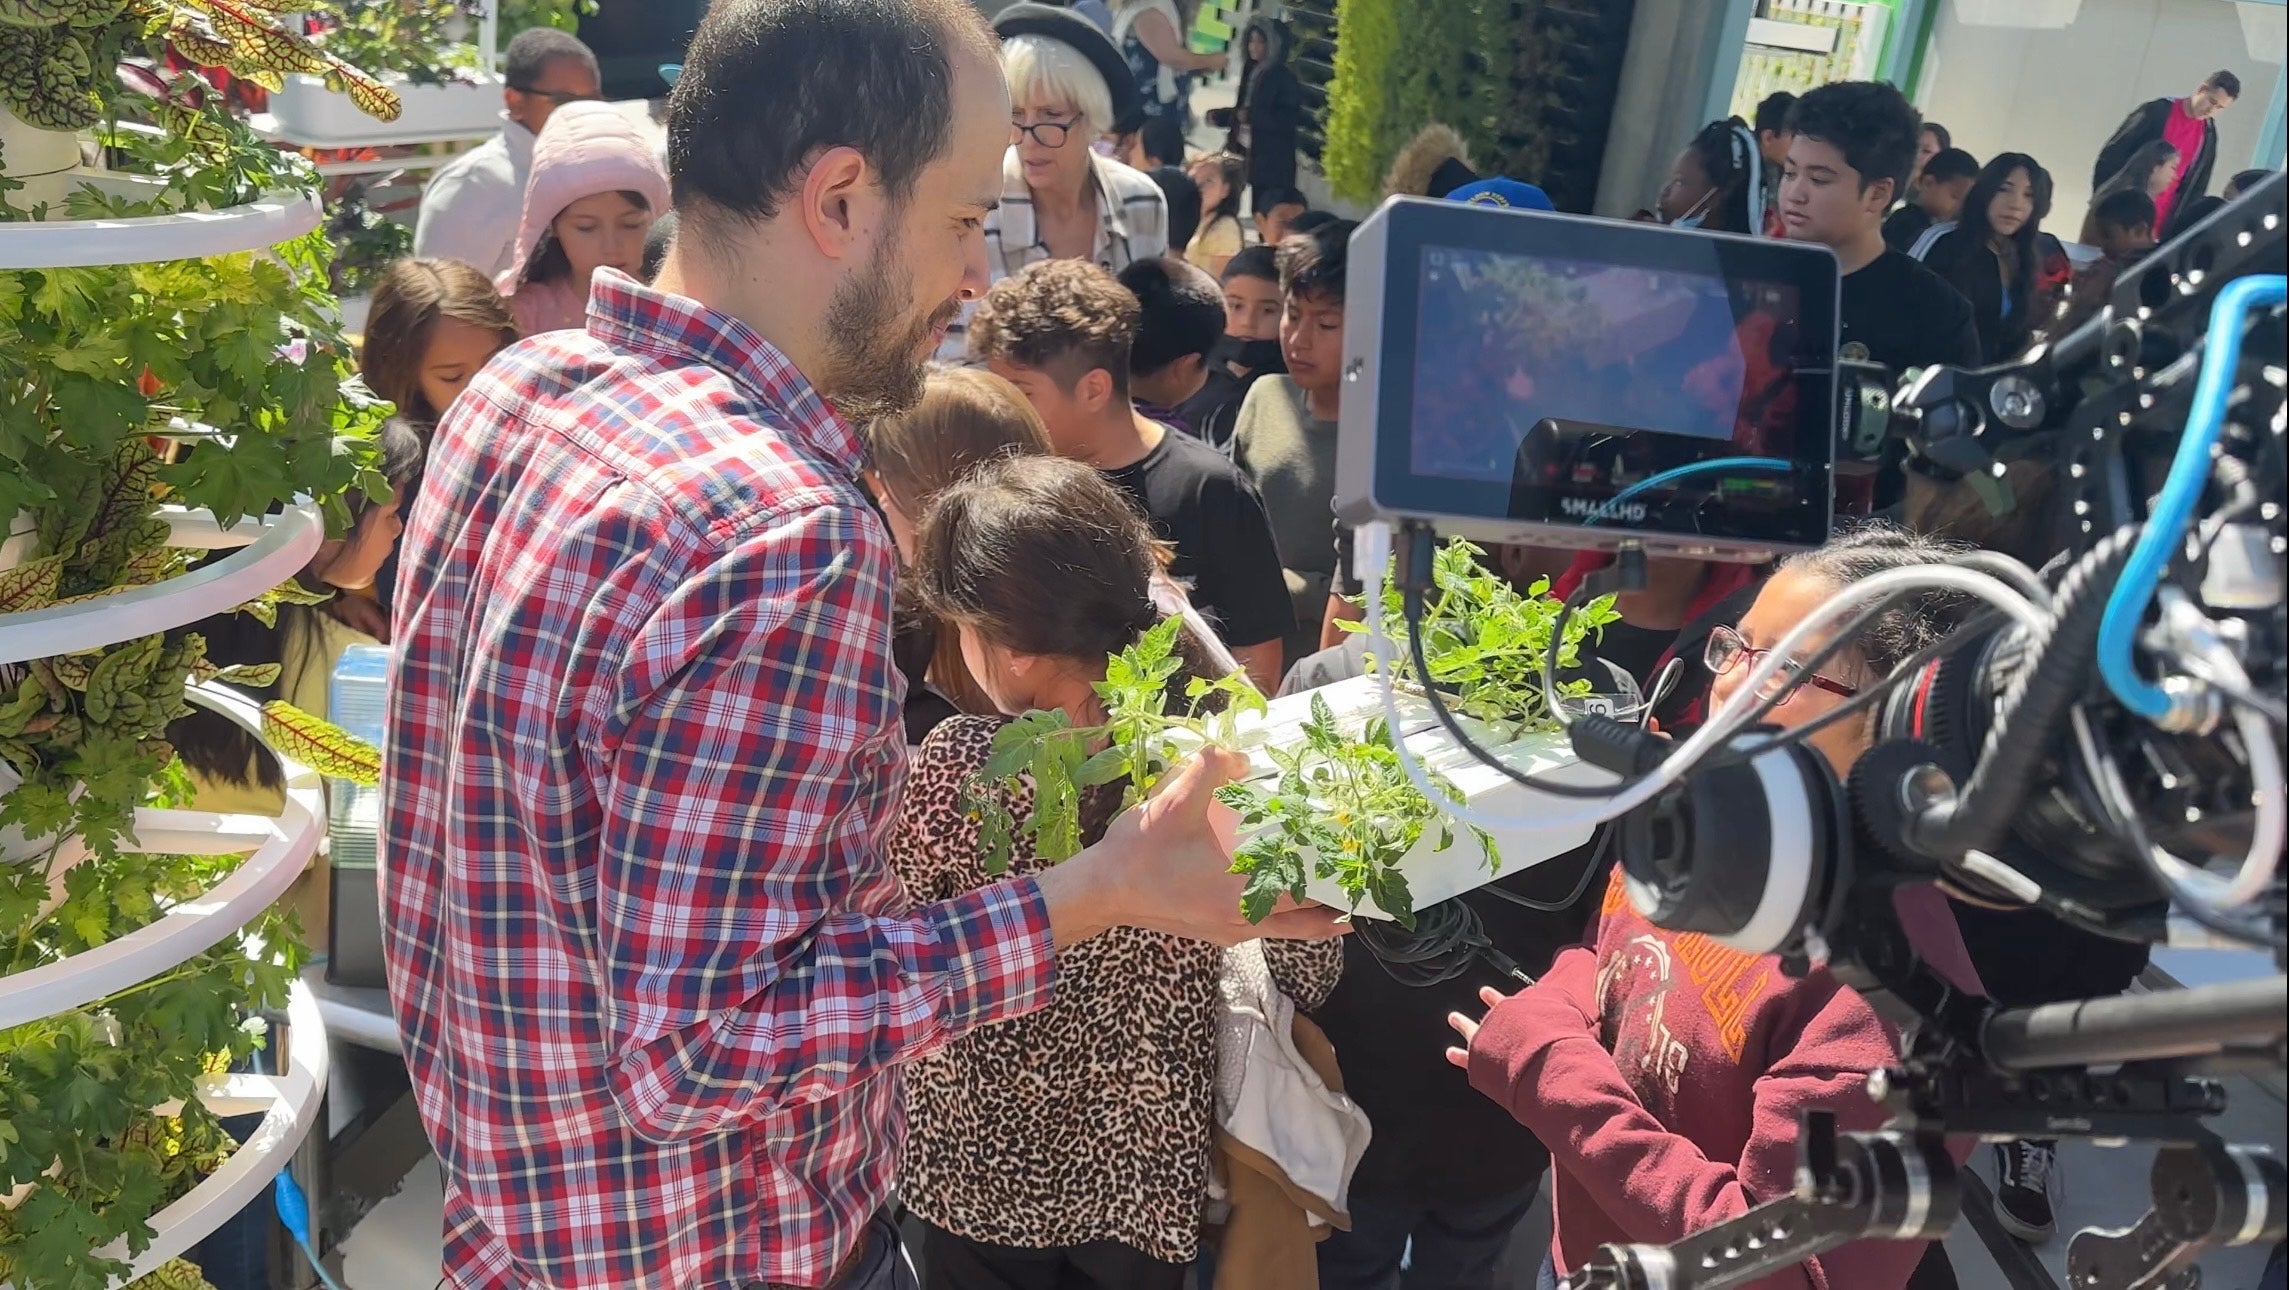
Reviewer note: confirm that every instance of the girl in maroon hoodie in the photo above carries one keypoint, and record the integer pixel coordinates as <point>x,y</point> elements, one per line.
<point>1665,1071</point>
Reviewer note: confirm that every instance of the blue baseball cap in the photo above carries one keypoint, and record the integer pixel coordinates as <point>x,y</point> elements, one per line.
<point>1503,192</point>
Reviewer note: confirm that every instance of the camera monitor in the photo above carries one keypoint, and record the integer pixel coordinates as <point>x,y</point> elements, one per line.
<point>1520,376</point>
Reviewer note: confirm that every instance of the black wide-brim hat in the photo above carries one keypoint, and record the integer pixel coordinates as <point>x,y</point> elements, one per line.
<point>1087,39</point>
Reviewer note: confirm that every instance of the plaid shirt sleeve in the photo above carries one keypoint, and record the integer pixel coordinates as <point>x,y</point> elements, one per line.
<point>730,987</point>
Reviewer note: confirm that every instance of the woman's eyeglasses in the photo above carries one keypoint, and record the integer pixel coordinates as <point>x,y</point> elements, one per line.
<point>1726,651</point>
<point>1049,134</point>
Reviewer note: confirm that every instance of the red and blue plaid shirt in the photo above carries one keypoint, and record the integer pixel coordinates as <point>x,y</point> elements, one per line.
<point>654,979</point>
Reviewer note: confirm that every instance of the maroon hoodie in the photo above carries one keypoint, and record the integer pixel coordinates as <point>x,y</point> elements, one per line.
<point>1665,1072</point>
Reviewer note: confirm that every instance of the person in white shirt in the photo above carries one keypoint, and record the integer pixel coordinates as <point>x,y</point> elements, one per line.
<point>1061,199</point>
<point>473,205</point>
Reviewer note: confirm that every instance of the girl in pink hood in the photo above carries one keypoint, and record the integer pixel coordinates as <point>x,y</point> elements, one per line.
<point>595,189</point>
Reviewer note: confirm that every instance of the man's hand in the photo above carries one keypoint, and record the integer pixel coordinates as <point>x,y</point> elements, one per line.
<point>1164,868</point>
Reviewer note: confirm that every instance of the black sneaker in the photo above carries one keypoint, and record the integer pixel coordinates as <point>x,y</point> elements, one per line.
<point>2023,1188</point>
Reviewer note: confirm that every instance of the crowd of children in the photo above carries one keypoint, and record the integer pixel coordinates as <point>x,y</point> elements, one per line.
<point>1139,420</point>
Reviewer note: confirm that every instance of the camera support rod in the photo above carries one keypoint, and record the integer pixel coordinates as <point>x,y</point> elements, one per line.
<point>1891,1186</point>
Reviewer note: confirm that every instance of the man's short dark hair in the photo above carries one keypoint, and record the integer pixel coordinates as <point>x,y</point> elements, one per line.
<point>768,84</point>
<point>1066,318</point>
<point>1179,312</point>
<point>1941,133</point>
<point>1772,114</point>
<point>1281,197</point>
<point>1254,262</point>
<point>1313,264</point>
<point>1311,220</point>
<point>1870,122</point>
<point>2225,81</point>
<point>2127,209</point>
<point>1951,163</point>
<point>535,48</point>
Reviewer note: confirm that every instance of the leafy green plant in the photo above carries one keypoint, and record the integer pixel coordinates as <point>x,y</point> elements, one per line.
<point>564,15</point>
<point>80,1093</point>
<point>1135,745</point>
<point>56,56</point>
<point>1485,642</point>
<point>1341,807</point>
<point>1362,127</point>
<point>239,358</point>
<point>431,42</point>
<point>365,242</point>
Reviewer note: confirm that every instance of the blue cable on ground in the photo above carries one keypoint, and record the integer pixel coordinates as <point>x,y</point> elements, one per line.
<point>2174,505</point>
<point>293,1205</point>
<point>294,1212</point>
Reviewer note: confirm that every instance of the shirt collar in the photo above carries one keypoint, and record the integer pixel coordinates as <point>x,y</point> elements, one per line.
<point>633,318</point>
<point>1021,228</point>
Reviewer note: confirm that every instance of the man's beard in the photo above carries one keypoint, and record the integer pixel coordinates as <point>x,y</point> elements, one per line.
<point>873,371</point>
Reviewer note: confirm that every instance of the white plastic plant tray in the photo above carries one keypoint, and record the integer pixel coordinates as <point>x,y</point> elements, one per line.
<point>289,1106</point>
<point>1433,875</point>
<point>79,243</point>
<point>307,114</point>
<point>274,549</point>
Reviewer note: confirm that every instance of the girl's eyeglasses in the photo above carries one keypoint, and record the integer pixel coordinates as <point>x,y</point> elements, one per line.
<point>1726,651</point>
<point>1049,134</point>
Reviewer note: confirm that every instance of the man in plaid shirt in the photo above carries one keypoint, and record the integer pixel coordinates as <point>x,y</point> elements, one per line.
<point>654,979</point>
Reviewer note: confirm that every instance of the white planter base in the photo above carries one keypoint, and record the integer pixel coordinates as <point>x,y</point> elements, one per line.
<point>308,114</point>
<point>1432,875</point>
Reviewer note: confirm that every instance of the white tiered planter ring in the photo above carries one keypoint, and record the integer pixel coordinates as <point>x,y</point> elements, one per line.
<point>289,1106</point>
<point>280,848</point>
<point>272,549</point>
<point>288,1103</point>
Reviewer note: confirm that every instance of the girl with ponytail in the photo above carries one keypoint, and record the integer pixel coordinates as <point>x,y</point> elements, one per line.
<point>1712,182</point>
<point>1069,1146</point>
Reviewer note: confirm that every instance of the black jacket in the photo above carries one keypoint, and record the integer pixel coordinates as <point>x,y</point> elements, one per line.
<point>2145,125</point>
<point>1271,101</point>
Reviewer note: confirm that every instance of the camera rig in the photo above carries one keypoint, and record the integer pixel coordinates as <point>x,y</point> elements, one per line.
<point>2104,746</point>
<point>2040,766</point>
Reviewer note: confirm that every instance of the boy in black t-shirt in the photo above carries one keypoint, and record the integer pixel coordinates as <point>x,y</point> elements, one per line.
<point>1854,144</point>
<point>1938,197</point>
<point>1061,331</point>
<point>1176,372</point>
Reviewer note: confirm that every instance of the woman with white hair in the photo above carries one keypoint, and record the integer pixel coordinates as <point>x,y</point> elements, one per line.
<point>1060,198</point>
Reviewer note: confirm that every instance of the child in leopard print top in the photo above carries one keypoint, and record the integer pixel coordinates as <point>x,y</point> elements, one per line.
<point>1069,1147</point>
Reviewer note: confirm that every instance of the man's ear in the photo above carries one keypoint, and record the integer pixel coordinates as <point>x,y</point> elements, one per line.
<point>1882,193</point>
<point>839,203</point>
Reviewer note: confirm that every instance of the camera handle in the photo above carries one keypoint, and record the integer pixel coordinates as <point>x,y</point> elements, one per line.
<point>1849,1187</point>
<point>2207,1195</point>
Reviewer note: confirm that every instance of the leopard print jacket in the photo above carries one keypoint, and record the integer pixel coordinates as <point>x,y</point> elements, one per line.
<point>1091,1119</point>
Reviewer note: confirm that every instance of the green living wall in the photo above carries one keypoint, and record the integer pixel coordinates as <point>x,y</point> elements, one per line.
<point>1528,84</point>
